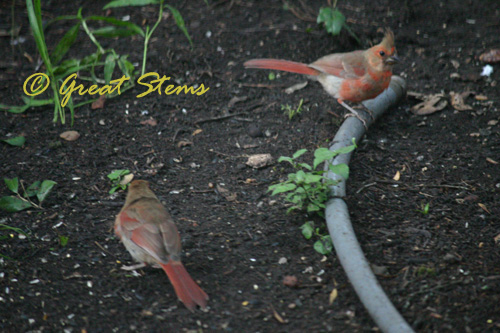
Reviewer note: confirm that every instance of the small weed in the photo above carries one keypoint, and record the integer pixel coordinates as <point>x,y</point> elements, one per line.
<point>308,188</point>
<point>424,271</point>
<point>38,189</point>
<point>324,243</point>
<point>291,112</point>
<point>334,21</point>
<point>116,178</point>
<point>424,208</point>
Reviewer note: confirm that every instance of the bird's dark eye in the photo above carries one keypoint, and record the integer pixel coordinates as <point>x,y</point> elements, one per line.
<point>382,53</point>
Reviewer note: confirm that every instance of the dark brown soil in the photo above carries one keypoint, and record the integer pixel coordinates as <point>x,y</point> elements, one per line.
<point>442,270</point>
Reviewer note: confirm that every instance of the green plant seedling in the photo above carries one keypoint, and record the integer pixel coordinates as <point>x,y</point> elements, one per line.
<point>291,112</point>
<point>271,76</point>
<point>38,189</point>
<point>424,208</point>
<point>116,178</point>
<point>334,21</point>
<point>63,240</point>
<point>308,189</point>
<point>323,244</point>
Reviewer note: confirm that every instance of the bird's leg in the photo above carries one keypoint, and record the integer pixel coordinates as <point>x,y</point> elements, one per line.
<point>364,108</point>
<point>133,267</point>
<point>353,113</point>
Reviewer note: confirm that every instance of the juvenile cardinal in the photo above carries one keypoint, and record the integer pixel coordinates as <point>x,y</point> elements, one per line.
<point>353,76</point>
<point>150,235</point>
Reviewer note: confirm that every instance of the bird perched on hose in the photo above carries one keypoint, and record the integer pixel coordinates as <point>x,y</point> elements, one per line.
<point>150,235</point>
<point>352,76</point>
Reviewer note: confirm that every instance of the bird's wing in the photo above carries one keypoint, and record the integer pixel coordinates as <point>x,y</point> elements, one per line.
<point>151,229</point>
<point>344,65</point>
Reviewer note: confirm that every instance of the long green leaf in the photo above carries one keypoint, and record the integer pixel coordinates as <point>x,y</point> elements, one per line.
<point>65,43</point>
<point>111,32</point>
<point>124,3</point>
<point>111,20</point>
<point>180,22</point>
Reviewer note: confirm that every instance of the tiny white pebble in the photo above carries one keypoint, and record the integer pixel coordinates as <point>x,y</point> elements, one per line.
<point>89,284</point>
<point>208,34</point>
<point>184,111</point>
<point>35,281</point>
<point>282,261</point>
<point>255,287</point>
<point>253,259</point>
<point>21,236</point>
<point>71,316</point>
<point>31,321</point>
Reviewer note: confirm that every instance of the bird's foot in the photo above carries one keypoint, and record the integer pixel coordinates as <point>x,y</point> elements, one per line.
<point>364,108</point>
<point>355,114</point>
<point>133,267</point>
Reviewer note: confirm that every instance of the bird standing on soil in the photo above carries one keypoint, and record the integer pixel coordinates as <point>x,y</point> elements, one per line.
<point>353,76</point>
<point>150,235</point>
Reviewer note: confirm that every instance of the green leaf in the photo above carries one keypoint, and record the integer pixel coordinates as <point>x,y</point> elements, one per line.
<point>113,189</point>
<point>117,174</point>
<point>305,166</point>
<point>312,178</point>
<point>313,208</point>
<point>33,189</point>
<point>45,188</point>
<point>286,159</point>
<point>299,153</point>
<point>340,169</point>
<point>333,20</point>
<point>65,43</point>
<point>63,240</point>
<point>345,150</point>
<point>272,77</point>
<point>13,204</point>
<point>17,141</point>
<point>109,67</point>
<point>321,155</point>
<point>281,188</point>
<point>324,245</point>
<point>12,184</point>
<point>124,3</point>
<point>307,229</point>
<point>134,28</point>
<point>300,176</point>
<point>180,22</point>
<point>111,32</point>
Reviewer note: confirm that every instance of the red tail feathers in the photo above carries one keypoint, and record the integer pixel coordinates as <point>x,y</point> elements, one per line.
<point>186,289</point>
<point>281,65</point>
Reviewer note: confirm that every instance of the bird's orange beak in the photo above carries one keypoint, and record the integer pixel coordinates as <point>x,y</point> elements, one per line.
<point>392,60</point>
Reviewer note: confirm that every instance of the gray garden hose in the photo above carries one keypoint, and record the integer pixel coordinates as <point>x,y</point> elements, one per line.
<point>339,225</point>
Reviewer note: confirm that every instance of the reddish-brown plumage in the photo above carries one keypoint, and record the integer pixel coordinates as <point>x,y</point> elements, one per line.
<point>150,235</point>
<point>354,76</point>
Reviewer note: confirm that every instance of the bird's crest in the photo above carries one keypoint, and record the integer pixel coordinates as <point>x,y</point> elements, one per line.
<point>388,41</point>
